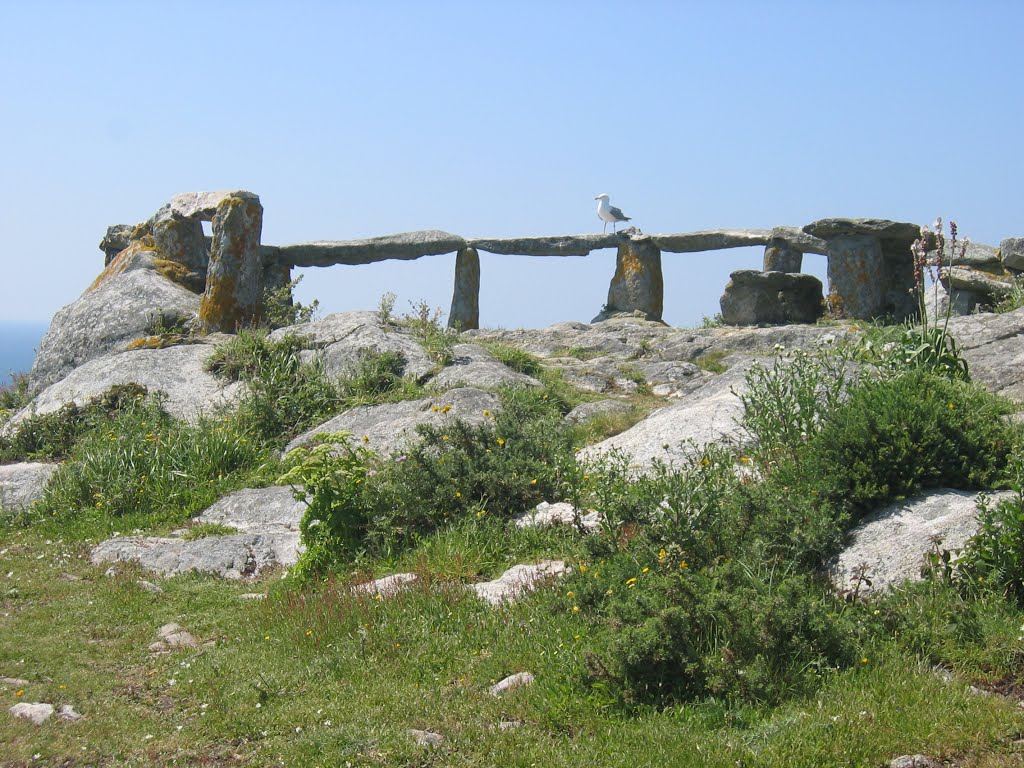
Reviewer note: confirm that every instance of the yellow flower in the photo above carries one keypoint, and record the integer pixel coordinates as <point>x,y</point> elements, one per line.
<point>533,482</point>
<point>500,441</point>
<point>631,582</point>
<point>682,565</point>
<point>446,409</point>
<point>570,595</point>
<point>864,660</point>
<point>19,692</point>
<point>952,407</point>
<point>487,413</point>
<point>435,408</point>
<point>266,637</point>
<point>744,459</point>
<point>575,609</point>
<point>444,437</point>
<point>458,494</point>
<point>583,567</point>
<point>646,570</point>
<point>662,555</point>
<point>366,438</point>
<point>309,632</point>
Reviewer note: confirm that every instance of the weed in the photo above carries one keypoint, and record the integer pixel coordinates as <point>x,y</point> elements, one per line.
<point>517,359</point>
<point>280,310</point>
<point>205,530</point>
<point>711,361</point>
<point>437,340</point>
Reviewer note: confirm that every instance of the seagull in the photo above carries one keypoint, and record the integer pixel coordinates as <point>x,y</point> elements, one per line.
<point>608,213</point>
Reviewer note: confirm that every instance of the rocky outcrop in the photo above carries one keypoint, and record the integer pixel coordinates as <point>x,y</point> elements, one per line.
<point>518,580</point>
<point>889,546</point>
<point>267,521</point>
<point>132,296</point>
<point>176,371</point>
<point>1011,250</point>
<point>993,346</point>
<point>21,485</point>
<point>472,366</point>
<point>674,434</point>
<point>388,428</point>
<point>752,297</point>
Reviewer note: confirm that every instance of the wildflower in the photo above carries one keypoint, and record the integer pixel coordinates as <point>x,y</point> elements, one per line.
<point>446,409</point>
<point>444,438</point>
<point>500,441</point>
<point>570,595</point>
<point>864,660</point>
<point>952,407</point>
<point>533,482</point>
<point>366,438</point>
<point>744,459</point>
<point>435,408</point>
<point>575,609</point>
<point>583,567</point>
<point>458,494</point>
<point>309,632</point>
<point>683,565</point>
<point>266,637</point>
<point>631,582</point>
<point>609,592</point>
<point>646,570</point>
<point>19,692</point>
<point>487,413</point>
<point>662,554</point>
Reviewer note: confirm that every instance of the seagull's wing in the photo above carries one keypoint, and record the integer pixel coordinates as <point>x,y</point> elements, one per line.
<point>618,214</point>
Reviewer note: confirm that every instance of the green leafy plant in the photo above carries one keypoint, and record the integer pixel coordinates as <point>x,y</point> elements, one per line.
<point>329,478</point>
<point>280,310</point>
<point>426,326</point>
<point>1014,299</point>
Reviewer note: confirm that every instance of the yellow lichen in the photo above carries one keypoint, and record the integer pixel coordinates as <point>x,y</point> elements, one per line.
<point>156,342</point>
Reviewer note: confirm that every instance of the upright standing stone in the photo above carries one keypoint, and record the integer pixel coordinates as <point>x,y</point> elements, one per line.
<point>181,241</point>
<point>870,267</point>
<point>465,312</point>
<point>781,256</point>
<point>638,285</point>
<point>234,280</point>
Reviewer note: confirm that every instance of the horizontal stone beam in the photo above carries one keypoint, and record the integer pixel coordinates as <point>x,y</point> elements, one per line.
<point>556,245</point>
<point>405,246</point>
<point>203,205</point>
<point>413,245</point>
<point>712,240</point>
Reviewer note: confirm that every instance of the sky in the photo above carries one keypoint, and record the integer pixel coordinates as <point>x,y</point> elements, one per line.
<point>358,119</point>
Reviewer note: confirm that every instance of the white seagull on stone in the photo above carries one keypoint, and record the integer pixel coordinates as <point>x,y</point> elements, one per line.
<point>607,212</point>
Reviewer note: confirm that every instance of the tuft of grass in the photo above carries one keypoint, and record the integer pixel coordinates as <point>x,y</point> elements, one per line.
<point>427,327</point>
<point>517,359</point>
<point>711,361</point>
<point>205,530</point>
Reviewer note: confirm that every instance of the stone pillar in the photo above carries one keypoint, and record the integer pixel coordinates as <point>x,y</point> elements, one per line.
<point>856,272</point>
<point>234,281</point>
<point>465,312</point>
<point>780,256</point>
<point>180,240</point>
<point>638,285</point>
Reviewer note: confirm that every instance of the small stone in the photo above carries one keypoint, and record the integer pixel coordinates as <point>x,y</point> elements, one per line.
<point>914,761</point>
<point>425,738</point>
<point>67,712</point>
<point>387,586</point>
<point>518,580</point>
<point>111,572</point>
<point>16,681</point>
<point>173,636</point>
<point>252,596</point>
<point>509,725</point>
<point>38,713</point>
<point>561,513</point>
<point>148,586</point>
<point>510,683</point>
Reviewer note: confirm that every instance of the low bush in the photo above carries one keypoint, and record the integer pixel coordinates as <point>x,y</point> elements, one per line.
<point>377,377</point>
<point>51,436</point>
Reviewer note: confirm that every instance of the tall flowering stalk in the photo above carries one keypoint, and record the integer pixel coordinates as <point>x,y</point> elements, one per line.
<point>930,346</point>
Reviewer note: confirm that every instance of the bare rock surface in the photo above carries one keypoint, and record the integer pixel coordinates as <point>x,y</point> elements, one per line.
<point>238,556</point>
<point>129,297</point>
<point>39,712</point>
<point>172,637</point>
<point>891,543</point>
<point>993,346</point>
<point>344,337</point>
<point>473,366</point>
<point>176,371</point>
<point>710,414</point>
<point>268,521</point>
<point>518,580</point>
<point>21,485</point>
<point>389,427</point>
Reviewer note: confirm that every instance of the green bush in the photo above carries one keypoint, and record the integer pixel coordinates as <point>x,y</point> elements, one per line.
<point>995,555</point>
<point>377,377</point>
<point>895,437</point>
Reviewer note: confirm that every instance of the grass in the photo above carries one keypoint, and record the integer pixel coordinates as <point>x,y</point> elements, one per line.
<point>321,676</point>
<point>693,629</point>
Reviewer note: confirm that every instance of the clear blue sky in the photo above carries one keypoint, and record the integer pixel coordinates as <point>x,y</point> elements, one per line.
<point>500,119</point>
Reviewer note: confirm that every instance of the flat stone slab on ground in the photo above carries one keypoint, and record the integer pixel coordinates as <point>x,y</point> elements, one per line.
<point>893,541</point>
<point>510,683</point>
<point>559,513</point>
<point>39,712</point>
<point>518,580</point>
<point>387,586</point>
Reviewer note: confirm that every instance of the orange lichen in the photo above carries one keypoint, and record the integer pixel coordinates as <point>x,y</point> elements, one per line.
<point>120,262</point>
<point>156,342</point>
<point>180,274</point>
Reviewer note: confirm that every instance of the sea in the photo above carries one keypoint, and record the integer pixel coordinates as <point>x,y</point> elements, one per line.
<point>18,345</point>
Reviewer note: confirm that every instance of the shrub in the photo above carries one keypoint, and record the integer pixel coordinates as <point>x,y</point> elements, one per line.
<point>895,437</point>
<point>330,479</point>
<point>280,309</point>
<point>995,555</point>
<point>437,340</point>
